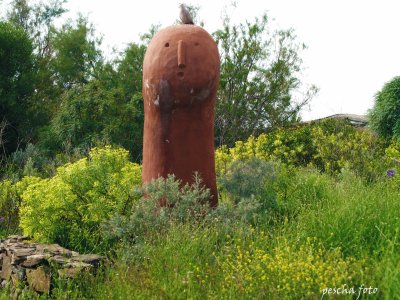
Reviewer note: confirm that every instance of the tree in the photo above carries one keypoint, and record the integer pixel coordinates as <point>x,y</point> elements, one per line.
<point>37,20</point>
<point>63,57</point>
<point>102,101</point>
<point>384,117</point>
<point>15,84</point>
<point>92,114</point>
<point>77,57</point>
<point>130,69</point>
<point>259,79</point>
<point>130,74</point>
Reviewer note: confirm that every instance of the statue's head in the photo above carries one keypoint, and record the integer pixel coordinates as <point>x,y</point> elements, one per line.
<point>182,65</point>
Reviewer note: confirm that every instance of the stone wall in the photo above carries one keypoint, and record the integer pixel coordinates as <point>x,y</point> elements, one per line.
<point>35,265</point>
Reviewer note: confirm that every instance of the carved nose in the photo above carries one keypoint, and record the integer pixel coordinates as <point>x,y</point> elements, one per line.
<point>181,54</point>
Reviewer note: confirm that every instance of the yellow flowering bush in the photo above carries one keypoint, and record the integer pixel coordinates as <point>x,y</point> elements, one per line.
<point>69,207</point>
<point>292,147</point>
<point>287,271</point>
<point>9,202</point>
<point>329,146</point>
<point>393,151</point>
<point>360,151</point>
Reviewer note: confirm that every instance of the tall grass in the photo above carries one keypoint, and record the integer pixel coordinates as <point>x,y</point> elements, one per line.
<point>330,232</point>
<point>324,232</point>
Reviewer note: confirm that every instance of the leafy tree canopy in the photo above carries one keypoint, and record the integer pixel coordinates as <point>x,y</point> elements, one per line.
<point>259,80</point>
<point>384,117</point>
<point>15,83</point>
<point>72,97</point>
<point>77,56</point>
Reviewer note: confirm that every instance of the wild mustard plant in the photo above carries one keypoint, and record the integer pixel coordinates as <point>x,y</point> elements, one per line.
<point>292,271</point>
<point>328,146</point>
<point>69,207</point>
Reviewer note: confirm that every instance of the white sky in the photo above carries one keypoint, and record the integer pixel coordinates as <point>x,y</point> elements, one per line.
<point>353,45</point>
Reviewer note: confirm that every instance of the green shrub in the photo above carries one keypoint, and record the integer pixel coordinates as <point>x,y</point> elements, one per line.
<point>393,154</point>
<point>385,115</point>
<point>69,207</point>
<point>9,204</point>
<point>180,204</point>
<point>247,178</point>
<point>249,184</point>
<point>329,146</point>
<point>274,268</point>
<point>10,200</point>
<point>301,189</point>
<point>289,146</point>
<point>358,150</point>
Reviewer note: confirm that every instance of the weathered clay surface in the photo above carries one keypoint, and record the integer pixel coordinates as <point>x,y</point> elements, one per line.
<point>34,264</point>
<point>180,81</point>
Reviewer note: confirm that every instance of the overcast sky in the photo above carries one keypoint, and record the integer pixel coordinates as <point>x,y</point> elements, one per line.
<point>353,45</point>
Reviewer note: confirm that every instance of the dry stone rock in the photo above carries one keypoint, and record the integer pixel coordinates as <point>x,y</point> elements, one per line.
<point>6,269</point>
<point>33,264</point>
<point>18,276</point>
<point>34,260</point>
<point>91,259</point>
<point>73,269</point>
<point>38,279</point>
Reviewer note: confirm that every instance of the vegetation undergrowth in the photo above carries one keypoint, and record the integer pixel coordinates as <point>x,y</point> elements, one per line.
<point>305,209</point>
<point>284,228</point>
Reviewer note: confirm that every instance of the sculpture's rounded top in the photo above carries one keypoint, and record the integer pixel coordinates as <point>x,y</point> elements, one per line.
<point>183,59</point>
<point>182,29</point>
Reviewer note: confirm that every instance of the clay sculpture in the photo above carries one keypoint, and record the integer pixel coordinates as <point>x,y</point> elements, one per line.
<point>180,81</point>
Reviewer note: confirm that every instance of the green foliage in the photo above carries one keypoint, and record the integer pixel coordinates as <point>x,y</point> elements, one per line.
<point>329,146</point>
<point>69,207</point>
<point>343,233</point>
<point>252,178</point>
<point>9,204</point>
<point>299,190</point>
<point>77,57</point>
<point>393,153</point>
<point>287,271</point>
<point>37,20</point>
<point>16,71</point>
<point>179,204</point>
<point>359,151</point>
<point>329,232</point>
<point>259,77</point>
<point>129,70</point>
<point>384,117</point>
<point>116,120</point>
<point>128,78</point>
<point>360,213</point>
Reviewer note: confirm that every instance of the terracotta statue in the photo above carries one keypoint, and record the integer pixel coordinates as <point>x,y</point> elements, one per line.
<point>180,81</point>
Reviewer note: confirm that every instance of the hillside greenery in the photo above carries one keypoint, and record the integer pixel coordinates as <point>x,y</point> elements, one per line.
<point>385,114</point>
<point>303,207</point>
<point>287,225</point>
<point>55,78</point>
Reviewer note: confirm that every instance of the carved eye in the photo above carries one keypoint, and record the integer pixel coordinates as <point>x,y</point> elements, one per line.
<point>196,44</point>
<point>166,45</point>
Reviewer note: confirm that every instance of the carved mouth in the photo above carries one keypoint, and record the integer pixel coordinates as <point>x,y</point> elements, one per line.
<point>181,75</point>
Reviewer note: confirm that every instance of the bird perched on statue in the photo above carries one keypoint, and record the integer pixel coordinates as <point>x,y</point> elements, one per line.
<point>184,15</point>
